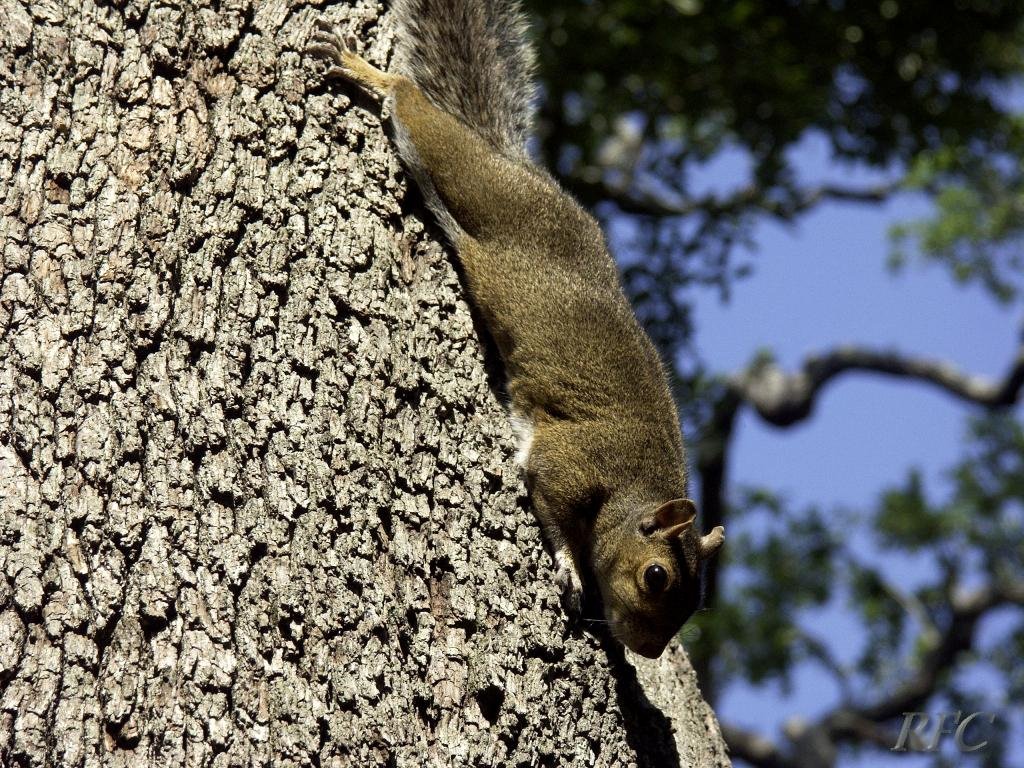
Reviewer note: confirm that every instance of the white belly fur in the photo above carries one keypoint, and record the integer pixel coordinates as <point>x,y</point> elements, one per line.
<point>523,427</point>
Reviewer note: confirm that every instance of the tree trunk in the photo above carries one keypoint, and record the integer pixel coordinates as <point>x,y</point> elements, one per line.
<point>257,496</point>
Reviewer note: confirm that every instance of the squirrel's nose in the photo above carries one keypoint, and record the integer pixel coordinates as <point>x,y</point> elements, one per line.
<point>651,649</point>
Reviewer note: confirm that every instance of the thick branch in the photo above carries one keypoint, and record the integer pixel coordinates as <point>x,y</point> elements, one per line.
<point>785,398</point>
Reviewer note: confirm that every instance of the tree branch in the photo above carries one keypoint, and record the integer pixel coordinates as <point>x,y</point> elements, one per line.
<point>754,749</point>
<point>712,453</point>
<point>966,609</point>
<point>813,743</point>
<point>639,201</point>
<point>785,398</point>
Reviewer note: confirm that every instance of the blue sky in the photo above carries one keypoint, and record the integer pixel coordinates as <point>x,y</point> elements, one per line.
<point>820,283</point>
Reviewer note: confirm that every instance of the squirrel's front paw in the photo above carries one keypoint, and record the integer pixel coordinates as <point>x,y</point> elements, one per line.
<point>326,42</point>
<point>568,580</point>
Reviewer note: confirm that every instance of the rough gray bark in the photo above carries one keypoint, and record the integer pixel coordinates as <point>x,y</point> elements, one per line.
<point>257,502</point>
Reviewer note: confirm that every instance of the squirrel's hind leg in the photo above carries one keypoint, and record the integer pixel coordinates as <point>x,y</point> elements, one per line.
<point>326,42</point>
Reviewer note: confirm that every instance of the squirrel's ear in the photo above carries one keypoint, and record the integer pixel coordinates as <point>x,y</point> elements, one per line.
<point>710,543</point>
<point>674,517</point>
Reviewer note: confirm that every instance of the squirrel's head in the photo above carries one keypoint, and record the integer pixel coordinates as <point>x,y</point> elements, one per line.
<point>650,581</point>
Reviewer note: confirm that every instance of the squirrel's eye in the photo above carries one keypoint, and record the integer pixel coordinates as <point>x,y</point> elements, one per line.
<point>655,577</point>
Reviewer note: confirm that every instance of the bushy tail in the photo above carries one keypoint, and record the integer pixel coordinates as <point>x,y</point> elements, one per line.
<point>472,58</point>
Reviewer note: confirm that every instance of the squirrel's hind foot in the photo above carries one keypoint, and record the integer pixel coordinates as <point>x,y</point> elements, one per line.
<point>345,64</point>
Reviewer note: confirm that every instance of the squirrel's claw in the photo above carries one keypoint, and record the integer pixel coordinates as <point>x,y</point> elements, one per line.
<point>326,42</point>
<point>346,64</point>
<point>327,47</point>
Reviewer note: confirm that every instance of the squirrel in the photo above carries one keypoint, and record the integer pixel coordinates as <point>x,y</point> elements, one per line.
<point>599,435</point>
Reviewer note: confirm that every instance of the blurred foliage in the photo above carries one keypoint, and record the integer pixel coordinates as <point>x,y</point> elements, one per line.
<point>774,572</point>
<point>638,94</point>
<point>883,80</point>
<point>978,515</point>
<point>639,99</point>
<point>785,567</point>
<point>978,226</point>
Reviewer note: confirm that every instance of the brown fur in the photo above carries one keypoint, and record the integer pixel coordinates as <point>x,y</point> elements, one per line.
<point>606,466</point>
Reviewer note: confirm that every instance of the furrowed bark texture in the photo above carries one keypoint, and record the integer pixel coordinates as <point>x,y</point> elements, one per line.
<point>257,498</point>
